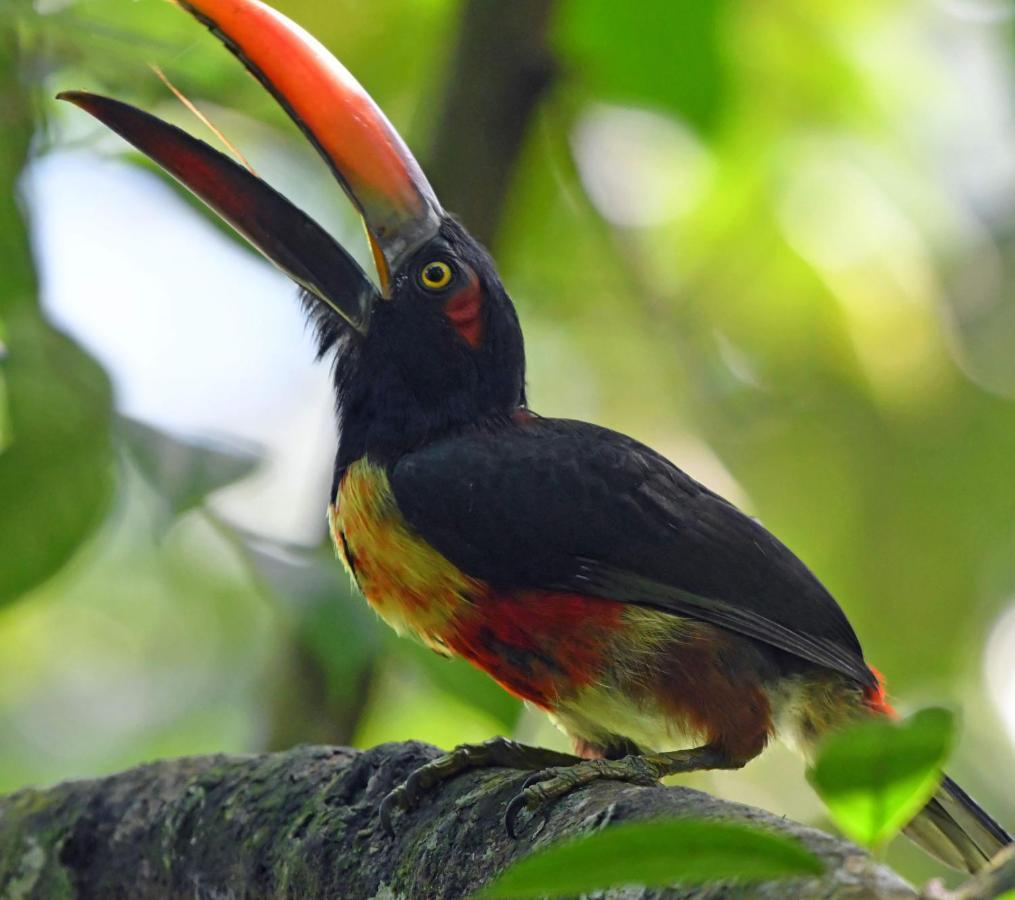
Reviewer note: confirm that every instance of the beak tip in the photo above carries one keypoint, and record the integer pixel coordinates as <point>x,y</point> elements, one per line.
<point>78,98</point>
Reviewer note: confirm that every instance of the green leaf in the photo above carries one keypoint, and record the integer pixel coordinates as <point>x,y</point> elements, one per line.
<point>467,683</point>
<point>185,472</point>
<point>334,642</point>
<point>55,462</point>
<point>878,774</point>
<point>656,854</point>
<point>56,474</point>
<point>655,53</point>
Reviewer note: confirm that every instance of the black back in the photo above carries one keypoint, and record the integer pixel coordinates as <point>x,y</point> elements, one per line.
<point>564,505</point>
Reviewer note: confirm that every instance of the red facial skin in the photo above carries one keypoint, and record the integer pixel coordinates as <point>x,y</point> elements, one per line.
<point>464,310</point>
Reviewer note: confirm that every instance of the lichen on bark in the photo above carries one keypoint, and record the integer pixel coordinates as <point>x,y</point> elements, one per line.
<point>303,824</point>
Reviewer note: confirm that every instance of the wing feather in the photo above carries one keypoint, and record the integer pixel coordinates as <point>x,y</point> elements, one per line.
<point>565,505</point>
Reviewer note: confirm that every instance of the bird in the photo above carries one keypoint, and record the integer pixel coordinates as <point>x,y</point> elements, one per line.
<point>660,627</point>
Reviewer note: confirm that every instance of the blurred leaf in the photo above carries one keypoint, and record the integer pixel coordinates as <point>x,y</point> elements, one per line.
<point>56,476</point>
<point>656,854</point>
<point>467,683</point>
<point>55,469</point>
<point>17,125</point>
<point>185,472</point>
<point>878,774</point>
<point>333,643</point>
<point>108,45</point>
<point>654,53</point>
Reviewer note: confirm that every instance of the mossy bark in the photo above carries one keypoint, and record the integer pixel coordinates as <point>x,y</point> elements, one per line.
<point>303,824</point>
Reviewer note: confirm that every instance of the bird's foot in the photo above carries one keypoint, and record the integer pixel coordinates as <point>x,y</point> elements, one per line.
<point>551,784</point>
<point>496,752</point>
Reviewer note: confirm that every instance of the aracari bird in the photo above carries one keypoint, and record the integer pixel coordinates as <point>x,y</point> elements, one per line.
<point>655,623</point>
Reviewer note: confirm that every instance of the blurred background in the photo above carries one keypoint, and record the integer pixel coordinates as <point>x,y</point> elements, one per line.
<point>775,241</point>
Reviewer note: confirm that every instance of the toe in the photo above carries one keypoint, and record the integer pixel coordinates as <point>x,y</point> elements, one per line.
<point>394,800</point>
<point>536,777</point>
<point>414,786</point>
<point>514,807</point>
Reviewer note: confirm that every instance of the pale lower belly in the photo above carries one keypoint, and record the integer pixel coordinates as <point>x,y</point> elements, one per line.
<point>598,715</point>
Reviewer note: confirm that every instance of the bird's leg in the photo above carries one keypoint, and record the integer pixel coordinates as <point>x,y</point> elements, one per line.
<point>550,784</point>
<point>496,752</point>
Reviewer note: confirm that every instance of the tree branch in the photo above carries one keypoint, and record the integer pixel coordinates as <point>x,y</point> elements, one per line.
<point>303,824</point>
<point>500,70</point>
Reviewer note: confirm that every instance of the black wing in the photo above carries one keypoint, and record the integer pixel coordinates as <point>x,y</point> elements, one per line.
<point>565,505</point>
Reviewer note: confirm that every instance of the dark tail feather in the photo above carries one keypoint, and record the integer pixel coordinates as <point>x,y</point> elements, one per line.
<point>953,828</point>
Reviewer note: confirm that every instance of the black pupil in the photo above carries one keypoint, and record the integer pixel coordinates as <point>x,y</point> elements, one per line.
<point>434,273</point>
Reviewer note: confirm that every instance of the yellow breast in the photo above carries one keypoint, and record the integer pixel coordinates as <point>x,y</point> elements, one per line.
<point>409,584</point>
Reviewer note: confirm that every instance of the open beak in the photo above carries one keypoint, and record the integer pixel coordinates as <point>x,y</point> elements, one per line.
<point>349,130</point>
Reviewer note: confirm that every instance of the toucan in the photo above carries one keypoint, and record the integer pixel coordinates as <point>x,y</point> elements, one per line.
<point>661,628</point>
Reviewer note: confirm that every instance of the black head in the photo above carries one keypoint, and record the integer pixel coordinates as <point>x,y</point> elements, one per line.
<point>444,352</point>
<point>438,347</point>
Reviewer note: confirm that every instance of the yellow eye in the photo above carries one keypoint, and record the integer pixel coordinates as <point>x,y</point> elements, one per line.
<point>435,276</point>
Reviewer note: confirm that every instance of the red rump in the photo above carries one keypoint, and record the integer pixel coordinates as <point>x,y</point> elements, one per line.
<point>876,698</point>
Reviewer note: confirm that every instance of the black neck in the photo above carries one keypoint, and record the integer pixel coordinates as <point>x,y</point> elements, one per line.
<point>384,417</point>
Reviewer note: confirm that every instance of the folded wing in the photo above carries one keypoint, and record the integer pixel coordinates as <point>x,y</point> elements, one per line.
<point>565,505</point>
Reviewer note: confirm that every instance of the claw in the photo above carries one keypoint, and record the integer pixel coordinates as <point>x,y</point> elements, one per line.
<point>412,789</point>
<point>546,785</point>
<point>530,799</point>
<point>514,807</point>
<point>396,799</point>
<point>498,752</point>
